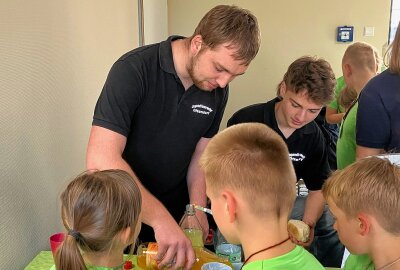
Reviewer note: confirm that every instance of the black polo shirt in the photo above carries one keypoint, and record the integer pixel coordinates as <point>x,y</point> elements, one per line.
<point>306,145</point>
<point>144,100</point>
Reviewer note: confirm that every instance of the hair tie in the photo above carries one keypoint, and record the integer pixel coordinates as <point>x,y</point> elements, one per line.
<point>75,234</point>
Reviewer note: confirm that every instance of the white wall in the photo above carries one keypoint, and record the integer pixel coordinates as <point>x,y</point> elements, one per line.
<point>54,59</point>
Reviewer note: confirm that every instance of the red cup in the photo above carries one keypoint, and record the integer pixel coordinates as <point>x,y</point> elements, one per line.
<point>55,242</point>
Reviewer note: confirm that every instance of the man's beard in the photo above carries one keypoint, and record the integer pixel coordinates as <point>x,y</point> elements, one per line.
<point>190,69</point>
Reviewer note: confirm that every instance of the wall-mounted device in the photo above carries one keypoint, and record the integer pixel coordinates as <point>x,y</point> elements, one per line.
<point>345,33</point>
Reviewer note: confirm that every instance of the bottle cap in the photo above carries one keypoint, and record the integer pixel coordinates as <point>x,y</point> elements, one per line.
<point>190,210</point>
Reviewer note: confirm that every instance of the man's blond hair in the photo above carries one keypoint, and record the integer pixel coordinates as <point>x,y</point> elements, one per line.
<point>362,55</point>
<point>253,160</point>
<point>371,185</point>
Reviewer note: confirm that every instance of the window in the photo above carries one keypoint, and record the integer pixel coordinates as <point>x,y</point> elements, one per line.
<point>394,19</point>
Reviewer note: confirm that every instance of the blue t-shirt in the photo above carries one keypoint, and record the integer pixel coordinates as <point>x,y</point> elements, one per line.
<point>378,116</point>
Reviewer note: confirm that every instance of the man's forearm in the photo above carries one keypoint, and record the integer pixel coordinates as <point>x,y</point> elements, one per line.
<point>314,207</point>
<point>195,177</point>
<point>152,209</point>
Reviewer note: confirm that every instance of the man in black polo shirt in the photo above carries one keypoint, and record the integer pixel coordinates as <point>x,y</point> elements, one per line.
<point>158,109</point>
<point>307,86</point>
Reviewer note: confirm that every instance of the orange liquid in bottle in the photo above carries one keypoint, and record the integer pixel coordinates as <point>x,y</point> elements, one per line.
<point>204,255</point>
<point>146,260</point>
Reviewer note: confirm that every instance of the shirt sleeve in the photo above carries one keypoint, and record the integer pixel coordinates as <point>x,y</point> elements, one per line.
<point>235,119</point>
<point>121,95</point>
<point>317,169</point>
<point>373,122</point>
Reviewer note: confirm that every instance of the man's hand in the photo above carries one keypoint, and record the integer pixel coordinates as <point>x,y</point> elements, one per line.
<point>174,248</point>
<point>202,217</point>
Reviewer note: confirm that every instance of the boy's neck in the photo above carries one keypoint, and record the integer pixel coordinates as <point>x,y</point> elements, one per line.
<point>286,130</point>
<point>386,252</point>
<point>363,80</point>
<point>266,234</point>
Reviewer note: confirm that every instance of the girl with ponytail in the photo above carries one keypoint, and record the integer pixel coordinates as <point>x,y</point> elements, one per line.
<point>101,213</point>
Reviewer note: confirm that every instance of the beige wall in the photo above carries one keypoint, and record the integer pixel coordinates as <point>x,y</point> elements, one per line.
<point>54,59</point>
<point>289,30</point>
<point>155,21</point>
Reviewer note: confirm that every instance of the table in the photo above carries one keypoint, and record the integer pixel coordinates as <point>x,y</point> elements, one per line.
<point>44,261</point>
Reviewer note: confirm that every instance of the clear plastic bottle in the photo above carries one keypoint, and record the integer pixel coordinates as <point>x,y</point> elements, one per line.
<point>193,230</point>
<point>191,226</point>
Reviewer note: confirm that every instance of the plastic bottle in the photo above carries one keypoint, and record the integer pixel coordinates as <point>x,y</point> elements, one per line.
<point>193,230</point>
<point>191,226</point>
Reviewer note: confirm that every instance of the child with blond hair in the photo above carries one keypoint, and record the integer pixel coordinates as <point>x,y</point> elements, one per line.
<point>365,200</point>
<point>359,65</point>
<point>101,214</point>
<point>250,181</point>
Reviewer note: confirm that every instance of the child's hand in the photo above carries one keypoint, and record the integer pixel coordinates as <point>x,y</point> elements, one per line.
<point>300,232</point>
<point>310,239</point>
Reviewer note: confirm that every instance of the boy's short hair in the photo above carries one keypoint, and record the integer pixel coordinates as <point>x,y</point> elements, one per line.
<point>233,25</point>
<point>370,185</point>
<point>253,160</point>
<point>315,75</point>
<point>362,55</point>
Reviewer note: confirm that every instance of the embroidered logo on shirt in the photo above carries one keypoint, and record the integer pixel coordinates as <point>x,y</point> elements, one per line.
<point>201,109</point>
<point>297,157</point>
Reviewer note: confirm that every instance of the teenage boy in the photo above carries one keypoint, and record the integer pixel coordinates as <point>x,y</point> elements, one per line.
<point>360,63</point>
<point>250,181</point>
<point>307,86</point>
<point>365,201</point>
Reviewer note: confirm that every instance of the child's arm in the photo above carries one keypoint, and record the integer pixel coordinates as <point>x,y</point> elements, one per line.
<point>333,116</point>
<point>312,212</point>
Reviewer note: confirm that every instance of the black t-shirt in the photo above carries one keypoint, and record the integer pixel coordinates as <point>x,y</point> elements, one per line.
<point>306,145</point>
<point>144,100</point>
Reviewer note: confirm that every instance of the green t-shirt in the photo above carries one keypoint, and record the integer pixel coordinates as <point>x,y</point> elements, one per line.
<point>359,262</point>
<point>297,259</point>
<point>346,143</point>
<point>340,84</point>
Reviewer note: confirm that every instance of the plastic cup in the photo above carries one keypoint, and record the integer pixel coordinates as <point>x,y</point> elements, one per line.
<point>232,252</point>
<point>237,266</point>
<point>55,242</point>
<point>215,266</point>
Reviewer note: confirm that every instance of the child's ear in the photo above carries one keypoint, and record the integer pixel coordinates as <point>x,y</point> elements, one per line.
<point>364,224</point>
<point>282,89</point>
<point>230,205</point>
<point>347,69</point>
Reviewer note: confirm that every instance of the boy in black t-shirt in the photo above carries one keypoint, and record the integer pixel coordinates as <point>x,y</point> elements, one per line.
<point>306,88</point>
